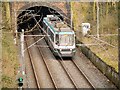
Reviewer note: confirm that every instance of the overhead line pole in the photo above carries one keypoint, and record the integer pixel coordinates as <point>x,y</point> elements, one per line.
<point>71,13</point>
<point>119,41</point>
<point>98,19</point>
<point>22,52</point>
<point>1,61</point>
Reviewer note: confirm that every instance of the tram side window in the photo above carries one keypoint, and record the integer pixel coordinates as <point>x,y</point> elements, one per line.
<point>51,34</point>
<point>57,39</point>
<point>45,26</point>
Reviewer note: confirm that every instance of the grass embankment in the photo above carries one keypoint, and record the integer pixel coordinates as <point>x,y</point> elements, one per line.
<point>10,62</point>
<point>107,53</point>
<point>9,51</point>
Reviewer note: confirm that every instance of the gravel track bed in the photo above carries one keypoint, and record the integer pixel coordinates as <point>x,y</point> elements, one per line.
<point>95,76</point>
<point>42,74</point>
<point>58,73</point>
<point>76,74</point>
<point>30,79</point>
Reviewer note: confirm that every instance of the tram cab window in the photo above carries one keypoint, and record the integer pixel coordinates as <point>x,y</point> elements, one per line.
<point>66,39</point>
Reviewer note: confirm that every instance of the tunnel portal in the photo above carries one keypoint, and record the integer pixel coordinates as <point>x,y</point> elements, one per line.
<point>29,17</point>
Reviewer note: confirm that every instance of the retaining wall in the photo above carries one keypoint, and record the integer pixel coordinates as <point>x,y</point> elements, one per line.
<point>107,70</point>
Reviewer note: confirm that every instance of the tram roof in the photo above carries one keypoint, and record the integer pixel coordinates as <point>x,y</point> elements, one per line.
<point>57,26</point>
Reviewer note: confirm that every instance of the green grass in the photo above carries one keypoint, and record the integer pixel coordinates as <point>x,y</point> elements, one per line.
<point>6,80</point>
<point>110,60</point>
<point>9,56</point>
<point>108,54</point>
<point>10,62</point>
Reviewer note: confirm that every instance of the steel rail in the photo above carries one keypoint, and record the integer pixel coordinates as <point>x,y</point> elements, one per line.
<point>84,75</point>
<point>33,67</point>
<point>69,75</point>
<point>42,56</point>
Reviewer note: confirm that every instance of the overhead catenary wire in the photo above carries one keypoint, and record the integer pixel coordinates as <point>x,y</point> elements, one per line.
<point>82,44</point>
<point>95,37</point>
<point>65,22</point>
<point>108,53</point>
<point>37,23</point>
<point>27,20</point>
<point>92,37</point>
<point>34,26</point>
<point>24,21</point>
<point>45,33</point>
<point>70,25</point>
<point>105,42</point>
<point>32,30</point>
<point>57,52</point>
<point>105,35</point>
<point>40,26</point>
<point>33,44</point>
<point>62,16</point>
<point>22,16</point>
<point>28,14</point>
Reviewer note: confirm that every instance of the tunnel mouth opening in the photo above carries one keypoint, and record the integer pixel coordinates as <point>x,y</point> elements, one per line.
<point>28,18</point>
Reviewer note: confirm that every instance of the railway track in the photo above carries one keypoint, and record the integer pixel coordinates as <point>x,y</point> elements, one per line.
<point>65,68</point>
<point>69,75</point>
<point>47,67</point>
<point>32,65</point>
<point>67,72</point>
<point>55,85</point>
<point>84,75</point>
<point>80,71</point>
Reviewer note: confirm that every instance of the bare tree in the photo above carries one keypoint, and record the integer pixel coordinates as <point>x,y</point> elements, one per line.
<point>6,6</point>
<point>94,10</point>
